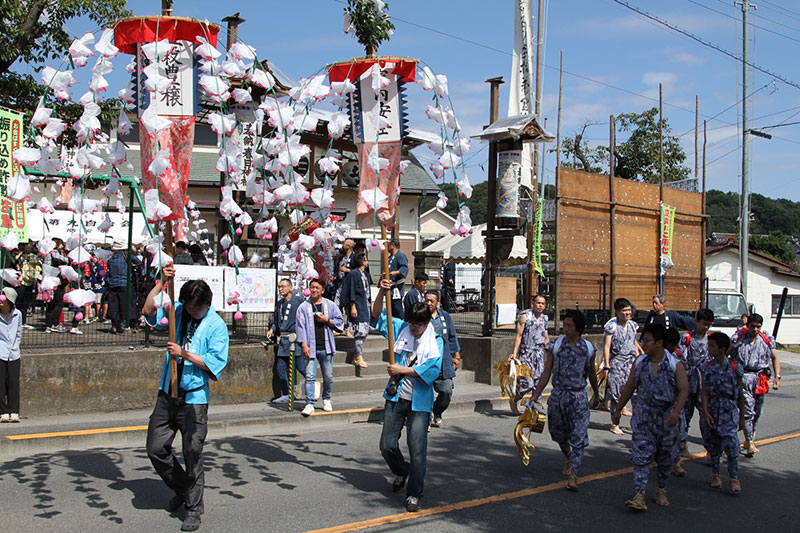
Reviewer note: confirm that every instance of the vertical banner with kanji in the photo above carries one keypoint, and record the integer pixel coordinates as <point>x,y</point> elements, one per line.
<point>665,243</point>
<point>537,239</point>
<point>12,214</point>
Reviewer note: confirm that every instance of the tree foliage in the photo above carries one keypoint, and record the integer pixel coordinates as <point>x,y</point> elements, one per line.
<point>637,158</point>
<point>34,31</point>
<point>478,203</point>
<point>775,245</point>
<point>369,21</point>
<point>767,214</point>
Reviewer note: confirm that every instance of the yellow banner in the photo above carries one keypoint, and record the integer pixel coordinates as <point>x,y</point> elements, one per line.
<point>667,225</point>
<point>12,214</point>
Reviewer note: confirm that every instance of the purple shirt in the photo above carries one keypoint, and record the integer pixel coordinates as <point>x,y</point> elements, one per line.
<point>305,325</point>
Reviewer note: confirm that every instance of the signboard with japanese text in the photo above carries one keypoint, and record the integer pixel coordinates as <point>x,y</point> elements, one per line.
<point>214,276</point>
<point>13,215</point>
<point>179,97</point>
<point>390,104</point>
<point>248,141</point>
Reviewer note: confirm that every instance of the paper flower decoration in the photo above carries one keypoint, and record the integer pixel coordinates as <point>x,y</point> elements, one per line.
<point>374,161</point>
<point>11,276</point>
<point>19,188</point>
<point>156,210</point>
<point>79,255</point>
<point>374,198</point>
<point>69,273</point>
<point>162,300</point>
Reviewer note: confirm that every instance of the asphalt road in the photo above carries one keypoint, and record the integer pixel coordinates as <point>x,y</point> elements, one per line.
<point>475,482</point>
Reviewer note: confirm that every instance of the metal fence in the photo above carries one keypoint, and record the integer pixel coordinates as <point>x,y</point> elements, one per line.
<point>97,336</point>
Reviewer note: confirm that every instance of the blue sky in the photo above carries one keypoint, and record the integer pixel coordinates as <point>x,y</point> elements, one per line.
<point>602,42</point>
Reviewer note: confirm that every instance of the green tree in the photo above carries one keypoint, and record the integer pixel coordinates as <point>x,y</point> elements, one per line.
<point>775,245</point>
<point>478,203</point>
<point>637,158</point>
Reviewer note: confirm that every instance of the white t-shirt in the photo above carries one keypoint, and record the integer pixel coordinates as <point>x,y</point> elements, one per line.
<point>407,385</point>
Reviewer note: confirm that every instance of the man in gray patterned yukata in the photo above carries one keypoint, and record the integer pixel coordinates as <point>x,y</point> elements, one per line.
<point>752,349</point>
<point>619,349</point>
<point>570,360</point>
<point>529,347</point>
<point>659,381</point>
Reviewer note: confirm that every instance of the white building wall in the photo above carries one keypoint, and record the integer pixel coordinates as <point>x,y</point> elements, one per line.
<point>762,284</point>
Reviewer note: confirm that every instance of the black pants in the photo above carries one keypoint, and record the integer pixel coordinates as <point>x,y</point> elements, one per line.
<point>397,309</point>
<point>169,416</point>
<point>24,299</point>
<point>9,387</point>
<point>117,300</point>
<point>53,314</point>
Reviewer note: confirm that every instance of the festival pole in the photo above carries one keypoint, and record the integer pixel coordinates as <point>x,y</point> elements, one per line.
<point>290,405</point>
<point>389,325</point>
<point>173,365</point>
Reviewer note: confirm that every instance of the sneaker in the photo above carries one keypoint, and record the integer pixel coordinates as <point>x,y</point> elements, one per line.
<point>76,331</point>
<point>308,410</point>
<point>106,322</point>
<point>27,326</point>
<point>398,483</point>
<point>437,421</point>
<point>48,329</point>
<point>326,406</point>
<point>59,329</point>
<point>14,417</point>
<point>281,399</point>
<point>661,498</point>
<point>191,522</point>
<point>5,418</point>
<point>412,504</point>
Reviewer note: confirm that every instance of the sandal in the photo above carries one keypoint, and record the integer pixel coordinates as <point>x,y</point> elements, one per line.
<point>736,487</point>
<point>616,430</point>
<point>359,362</point>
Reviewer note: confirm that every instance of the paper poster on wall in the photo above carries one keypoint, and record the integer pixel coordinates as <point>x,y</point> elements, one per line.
<point>257,286</point>
<point>213,275</point>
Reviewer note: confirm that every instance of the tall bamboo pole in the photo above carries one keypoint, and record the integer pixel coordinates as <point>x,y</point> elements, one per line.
<point>173,365</point>
<point>389,325</point>
<point>558,174</point>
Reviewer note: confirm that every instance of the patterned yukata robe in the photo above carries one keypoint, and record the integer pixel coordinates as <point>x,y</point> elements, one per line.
<point>693,351</point>
<point>722,387</point>
<point>568,406</point>
<point>754,357</point>
<point>623,351</point>
<point>531,350</point>
<point>653,440</point>
<point>355,290</point>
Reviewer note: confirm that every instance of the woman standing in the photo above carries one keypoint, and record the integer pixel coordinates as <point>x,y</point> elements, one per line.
<point>10,335</point>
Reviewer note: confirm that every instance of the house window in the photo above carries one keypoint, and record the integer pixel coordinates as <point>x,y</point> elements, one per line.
<point>792,307</point>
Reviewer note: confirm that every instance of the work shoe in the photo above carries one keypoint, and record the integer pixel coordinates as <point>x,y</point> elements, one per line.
<point>5,417</point>
<point>191,522</point>
<point>176,503</point>
<point>436,422</point>
<point>14,417</point>
<point>308,410</point>
<point>567,470</point>
<point>398,483</point>
<point>716,481</point>
<point>412,504</point>
<point>572,482</point>
<point>281,399</point>
<point>736,487</point>
<point>661,498</point>
<point>678,471</point>
<point>637,503</point>
<point>327,406</point>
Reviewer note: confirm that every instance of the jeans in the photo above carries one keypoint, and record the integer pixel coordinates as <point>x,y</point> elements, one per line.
<point>444,392</point>
<point>282,366</point>
<point>395,416</point>
<point>169,416</point>
<point>308,367</point>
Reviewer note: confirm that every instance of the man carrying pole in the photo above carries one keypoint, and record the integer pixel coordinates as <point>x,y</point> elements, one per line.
<point>409,393</point>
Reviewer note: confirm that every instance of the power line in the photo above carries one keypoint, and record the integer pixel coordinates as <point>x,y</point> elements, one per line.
<point>749,23</point>
<point>781,10</point>
<point>706,43</point>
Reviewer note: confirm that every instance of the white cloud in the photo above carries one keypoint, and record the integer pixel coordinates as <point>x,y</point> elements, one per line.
<point>686,58</point>
<point>665,78</point>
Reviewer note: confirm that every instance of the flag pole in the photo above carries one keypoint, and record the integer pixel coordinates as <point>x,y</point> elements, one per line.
<point>388,304</point>
<point>173,365</point>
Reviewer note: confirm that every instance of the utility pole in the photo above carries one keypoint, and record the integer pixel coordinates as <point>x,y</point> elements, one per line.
<point>744,216</point>
<point>489,260</point>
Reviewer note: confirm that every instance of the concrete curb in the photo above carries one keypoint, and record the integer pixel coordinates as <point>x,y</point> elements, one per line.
<point>12,446</point>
